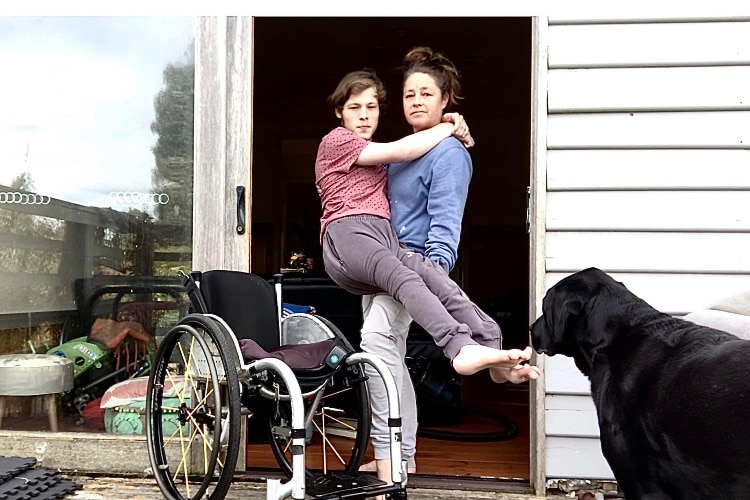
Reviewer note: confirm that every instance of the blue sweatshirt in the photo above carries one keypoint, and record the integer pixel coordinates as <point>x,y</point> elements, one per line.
<point>427,198</point>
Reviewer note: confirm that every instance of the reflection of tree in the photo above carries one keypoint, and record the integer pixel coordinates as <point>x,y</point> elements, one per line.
<point>29,249</point>
<point>19,226</point>
<point>173,152</point>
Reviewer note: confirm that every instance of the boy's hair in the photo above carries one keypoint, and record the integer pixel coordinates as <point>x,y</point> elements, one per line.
<point>354,83</point>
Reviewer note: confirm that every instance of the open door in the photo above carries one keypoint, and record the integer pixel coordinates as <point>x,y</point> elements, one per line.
<point>296,65</point>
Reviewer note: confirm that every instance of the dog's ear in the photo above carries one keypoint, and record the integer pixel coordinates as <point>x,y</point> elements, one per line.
<point>578,341</point>
<point>595,325</point>
<point>551,332</point>
<point>564,312</point>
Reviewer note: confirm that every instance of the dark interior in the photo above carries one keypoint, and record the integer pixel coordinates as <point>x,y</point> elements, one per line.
<point>297,64</point>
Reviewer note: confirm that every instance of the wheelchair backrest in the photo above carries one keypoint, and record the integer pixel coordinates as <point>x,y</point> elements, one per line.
<point>245,301</point>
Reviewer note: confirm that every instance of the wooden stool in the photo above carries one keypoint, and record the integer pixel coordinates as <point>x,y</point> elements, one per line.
<point>50,403</point>
<point>32,375</point>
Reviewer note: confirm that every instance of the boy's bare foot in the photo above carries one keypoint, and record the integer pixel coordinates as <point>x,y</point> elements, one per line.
<point>474,357</point>
<point>515,375</point>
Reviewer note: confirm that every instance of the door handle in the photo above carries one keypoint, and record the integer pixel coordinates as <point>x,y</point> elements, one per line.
<point>241,210</point>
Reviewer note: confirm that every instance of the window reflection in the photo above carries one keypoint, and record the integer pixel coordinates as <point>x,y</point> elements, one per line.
<point>96,173</point>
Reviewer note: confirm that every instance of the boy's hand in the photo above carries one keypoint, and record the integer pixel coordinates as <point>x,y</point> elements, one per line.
<point>460,128</point>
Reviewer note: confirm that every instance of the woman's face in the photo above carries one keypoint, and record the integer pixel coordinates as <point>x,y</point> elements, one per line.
<point>360,113</point>
<point>423,101</point>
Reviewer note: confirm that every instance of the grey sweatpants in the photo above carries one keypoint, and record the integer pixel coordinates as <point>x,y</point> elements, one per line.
<point>385,327</point>
<point>362,254</point>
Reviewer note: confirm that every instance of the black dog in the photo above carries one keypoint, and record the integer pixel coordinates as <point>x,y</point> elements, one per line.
<point>672,397</point>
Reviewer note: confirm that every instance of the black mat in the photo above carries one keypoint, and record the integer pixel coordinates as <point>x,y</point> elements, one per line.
<point>341,485</point>
<point>12,466</point>
<point>21,480</point>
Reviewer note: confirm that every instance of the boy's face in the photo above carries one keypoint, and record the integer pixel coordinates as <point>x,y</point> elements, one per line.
<point>360,113</point>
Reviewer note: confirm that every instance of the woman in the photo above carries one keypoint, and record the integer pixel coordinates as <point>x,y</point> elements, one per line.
<point>427,198</point>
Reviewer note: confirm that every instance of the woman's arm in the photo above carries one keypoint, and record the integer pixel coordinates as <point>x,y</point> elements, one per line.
<point>447,193</point>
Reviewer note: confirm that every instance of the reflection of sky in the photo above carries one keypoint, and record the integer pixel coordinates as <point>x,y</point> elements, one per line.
<point>77,101</point>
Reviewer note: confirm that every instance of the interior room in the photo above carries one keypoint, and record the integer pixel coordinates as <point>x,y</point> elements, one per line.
<point>297,64</point>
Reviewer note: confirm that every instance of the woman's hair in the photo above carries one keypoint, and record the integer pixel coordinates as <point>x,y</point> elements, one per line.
<point>439,67</point>
<point>355,83</point>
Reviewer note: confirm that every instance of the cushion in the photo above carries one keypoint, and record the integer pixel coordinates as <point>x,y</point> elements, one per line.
<point>736,324</point>
<point>737,304</point>
<point>134,389</point>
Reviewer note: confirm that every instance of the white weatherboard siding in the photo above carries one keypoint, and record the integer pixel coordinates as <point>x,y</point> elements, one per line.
<point>649,211</point>
<point>689,129</point>
<point>646,89</point>
<point>648,178</point>
<point>639,169</point>
<point>680,252</point>
<point>675,293</point>
<point>639,45</point>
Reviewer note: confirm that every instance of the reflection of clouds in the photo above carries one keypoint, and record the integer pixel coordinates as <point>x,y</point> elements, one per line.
<point>78,110</point>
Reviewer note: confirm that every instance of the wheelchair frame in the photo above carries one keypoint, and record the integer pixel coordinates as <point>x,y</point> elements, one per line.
<point>214,383</point>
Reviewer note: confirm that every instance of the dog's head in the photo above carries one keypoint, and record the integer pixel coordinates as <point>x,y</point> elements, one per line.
<point>576,316</point>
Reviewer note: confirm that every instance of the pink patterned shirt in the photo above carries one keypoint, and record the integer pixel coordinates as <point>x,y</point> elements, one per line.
<point>344,187</point>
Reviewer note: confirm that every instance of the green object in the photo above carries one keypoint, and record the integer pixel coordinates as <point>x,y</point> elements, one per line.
<point>82,353</point>
<point>131,418</point>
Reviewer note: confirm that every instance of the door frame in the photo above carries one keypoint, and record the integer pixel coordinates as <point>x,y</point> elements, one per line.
<point>537,230</point>
<point>222,147</point>
<point>223,161</point>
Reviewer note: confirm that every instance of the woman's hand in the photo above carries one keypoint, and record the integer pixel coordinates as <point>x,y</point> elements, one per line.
<point>460,128</point>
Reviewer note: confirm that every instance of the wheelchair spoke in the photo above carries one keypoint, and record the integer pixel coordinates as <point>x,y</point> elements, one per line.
<point>327,441</point>
<point>339,430</point>
<point>343,423</point>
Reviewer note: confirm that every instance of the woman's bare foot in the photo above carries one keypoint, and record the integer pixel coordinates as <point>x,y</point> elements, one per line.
<point>474,357</point>
<point>372,466</point>
<point>383,468</point>
<point>515,375</point>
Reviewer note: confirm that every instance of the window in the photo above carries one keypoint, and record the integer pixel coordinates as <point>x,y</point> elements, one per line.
<point>95,201</point>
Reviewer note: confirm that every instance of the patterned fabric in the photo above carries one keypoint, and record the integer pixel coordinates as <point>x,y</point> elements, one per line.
<point>346,188</point>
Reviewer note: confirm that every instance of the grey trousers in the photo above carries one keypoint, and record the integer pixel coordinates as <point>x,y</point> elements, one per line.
<point>362,254</point>
<point>384,331</point>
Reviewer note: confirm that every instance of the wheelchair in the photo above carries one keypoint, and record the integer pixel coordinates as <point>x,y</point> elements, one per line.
<point>240,358</point>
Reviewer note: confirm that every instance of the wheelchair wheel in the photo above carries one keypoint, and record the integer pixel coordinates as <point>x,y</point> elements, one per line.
<point>338,434</point>
<point>193,411</point>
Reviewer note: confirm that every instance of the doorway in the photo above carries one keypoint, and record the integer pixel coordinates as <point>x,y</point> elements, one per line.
<point>297,63</point>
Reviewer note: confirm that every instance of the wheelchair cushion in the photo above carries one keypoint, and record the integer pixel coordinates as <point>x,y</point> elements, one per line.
<point>297,357</point>
<point>246,302</point>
